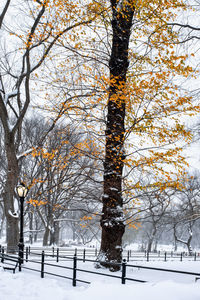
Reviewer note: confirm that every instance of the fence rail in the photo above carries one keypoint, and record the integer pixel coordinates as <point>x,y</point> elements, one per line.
<point>129,255</point>
<point>43,260</point>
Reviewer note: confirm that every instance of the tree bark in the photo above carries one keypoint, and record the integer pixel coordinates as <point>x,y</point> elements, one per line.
<point>151,238</point>
<point>46,236</point>
<point>55,234</point>
<point>12,231</point>
<point>2,224</point>
<point>30,227</point>
<point>188,241</point>
<point>149,246</point>
<point>112,222</point>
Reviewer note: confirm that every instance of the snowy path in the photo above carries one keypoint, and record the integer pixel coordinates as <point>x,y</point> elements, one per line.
<point>28,285</point>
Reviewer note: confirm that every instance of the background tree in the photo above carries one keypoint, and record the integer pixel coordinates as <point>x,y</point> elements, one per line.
<point>185,211</point>
<point>64,180</point>
<point>25,46</point>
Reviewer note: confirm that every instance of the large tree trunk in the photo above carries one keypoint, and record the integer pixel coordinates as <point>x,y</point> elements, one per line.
<point>112,223</point>
<point>12,231</point>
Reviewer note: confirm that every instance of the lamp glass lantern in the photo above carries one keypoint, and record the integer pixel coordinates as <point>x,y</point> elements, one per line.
<point>22,190</point>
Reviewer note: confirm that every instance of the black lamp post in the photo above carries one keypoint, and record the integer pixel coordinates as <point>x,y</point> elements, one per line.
<point>22,191</point>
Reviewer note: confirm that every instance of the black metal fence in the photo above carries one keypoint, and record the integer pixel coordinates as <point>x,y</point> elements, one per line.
<point>129,255</point>
<point>44,260</point>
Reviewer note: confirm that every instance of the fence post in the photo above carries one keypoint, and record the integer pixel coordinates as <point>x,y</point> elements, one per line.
<point>195,256</point>
<point>53,251</point>
<point>75,252</point>
<point>124,271</point>
<point>165,256</point>
<point>26,254</point>
<point>20,261</point>
<point>2,257</point>
<point>57,255</point>
<point>42,265</point>
<point>128,255</point>
<point>29,250</point>
<point>74,270</point>
<point>95,251</point>
<point>181,257</point>
<point>147,256</point>
<point>83,255</point>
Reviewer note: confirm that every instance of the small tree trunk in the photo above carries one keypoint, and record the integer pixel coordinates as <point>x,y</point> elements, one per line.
<point>2,224</point>
<point>189,249</point>
<point>30,228</point>
<point>155,246</point>
<point>46,236</point>
<point>151,237</point>
<point>56,233</point>
<point>149,246</point>
<point>52,238</point>
<point>189,241</point>
<point>73,233</point>
<point>175,245</point>
<point>36,227</point>
<point>35,237</point>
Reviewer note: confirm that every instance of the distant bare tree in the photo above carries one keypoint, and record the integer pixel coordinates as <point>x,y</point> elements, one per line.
<point>186,211</point>
<point>26,43</point>
<point>64,179</point>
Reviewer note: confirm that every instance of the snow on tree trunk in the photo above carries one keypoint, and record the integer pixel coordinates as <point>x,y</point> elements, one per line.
<point>112,223</point>
<point>189,239</point>
<point>12,231</point>
<point>55,234</point>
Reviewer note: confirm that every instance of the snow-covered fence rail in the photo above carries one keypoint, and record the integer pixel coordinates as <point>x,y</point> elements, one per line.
<point>129,255</point>
<point>43,263</point>
<point>40,263</point>
<point>160,256</point>
<point>9,260</point>
<point>89,252</point>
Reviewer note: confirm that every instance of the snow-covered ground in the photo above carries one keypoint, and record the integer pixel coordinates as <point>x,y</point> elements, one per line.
<point>27,285</point>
